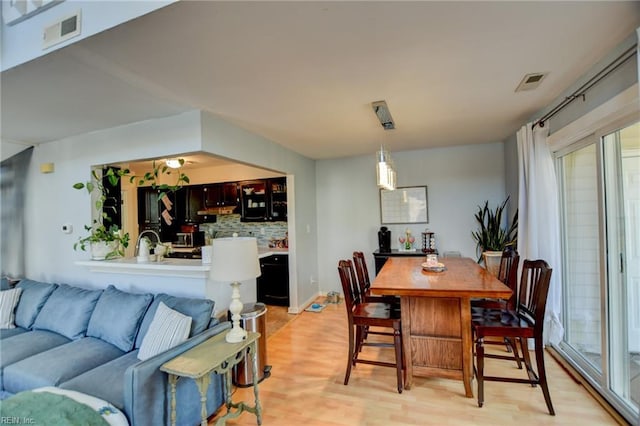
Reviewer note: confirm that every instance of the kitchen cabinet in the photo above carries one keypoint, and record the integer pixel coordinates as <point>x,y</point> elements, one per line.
<point>263,200</point>
<point>273,283</point>
<point>220,194</point>
<point>278,199</point>
<point>148,208</point>
<point>253,201</point>
<point>190,200</point>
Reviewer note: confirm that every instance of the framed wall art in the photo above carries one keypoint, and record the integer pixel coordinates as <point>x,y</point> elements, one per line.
<point>404,205</point>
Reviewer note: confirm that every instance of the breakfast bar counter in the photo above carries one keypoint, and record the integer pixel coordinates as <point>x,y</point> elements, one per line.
<point>167,267</point>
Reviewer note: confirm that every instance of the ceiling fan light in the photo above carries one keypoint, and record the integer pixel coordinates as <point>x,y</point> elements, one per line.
<point>174,163</point>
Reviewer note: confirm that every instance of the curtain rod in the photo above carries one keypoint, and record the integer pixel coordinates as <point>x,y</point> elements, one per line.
<point>580,93</point>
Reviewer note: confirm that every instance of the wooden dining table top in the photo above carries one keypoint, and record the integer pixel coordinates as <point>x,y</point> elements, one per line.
<point>463,277</point>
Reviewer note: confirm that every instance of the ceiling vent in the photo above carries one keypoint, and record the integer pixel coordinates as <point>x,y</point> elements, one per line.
<point>531,81</point>
<point>382,111</point>
<point>64,29</point>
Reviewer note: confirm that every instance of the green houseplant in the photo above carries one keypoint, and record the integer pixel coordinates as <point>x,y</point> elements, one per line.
<point>106,240</point>
<point>492,237</point>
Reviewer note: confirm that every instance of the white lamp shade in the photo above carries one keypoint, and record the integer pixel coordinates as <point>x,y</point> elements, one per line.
<point>234,259</point>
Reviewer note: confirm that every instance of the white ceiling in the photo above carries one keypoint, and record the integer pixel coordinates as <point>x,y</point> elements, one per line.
<point>303,74</point>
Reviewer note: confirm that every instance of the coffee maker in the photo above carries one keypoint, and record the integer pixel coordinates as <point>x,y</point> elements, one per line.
<point>384,240</point>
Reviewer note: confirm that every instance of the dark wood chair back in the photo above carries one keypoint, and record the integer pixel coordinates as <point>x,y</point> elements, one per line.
<point>508,272</point>
<point>350,287</point>
<point>361,271</point>
<point>534,289</point>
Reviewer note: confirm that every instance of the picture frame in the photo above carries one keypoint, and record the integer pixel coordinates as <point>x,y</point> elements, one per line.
<point>404,205</point>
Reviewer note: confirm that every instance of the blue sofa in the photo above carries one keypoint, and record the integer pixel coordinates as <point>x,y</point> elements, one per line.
<point>88,341</point>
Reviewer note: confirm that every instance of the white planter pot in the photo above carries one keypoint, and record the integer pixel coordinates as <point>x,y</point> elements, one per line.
<point>101,249</point>
<point>492,261</point>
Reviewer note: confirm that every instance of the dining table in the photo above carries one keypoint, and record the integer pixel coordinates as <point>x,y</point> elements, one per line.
<point>436,313</point>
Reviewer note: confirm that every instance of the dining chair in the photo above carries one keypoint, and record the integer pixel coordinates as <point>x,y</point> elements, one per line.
<point>361,316</point>
<point>364,283</point>
<point>508,274</point>
<point>520,324</point>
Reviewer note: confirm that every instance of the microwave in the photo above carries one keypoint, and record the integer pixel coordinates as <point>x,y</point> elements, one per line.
<point>189,239</point>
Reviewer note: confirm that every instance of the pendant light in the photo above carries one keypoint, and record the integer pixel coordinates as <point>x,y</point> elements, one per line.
<point>385,168</point>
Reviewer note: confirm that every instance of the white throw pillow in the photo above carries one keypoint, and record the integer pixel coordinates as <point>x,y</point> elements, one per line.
<point>169,328</point>
<point>8,302</point>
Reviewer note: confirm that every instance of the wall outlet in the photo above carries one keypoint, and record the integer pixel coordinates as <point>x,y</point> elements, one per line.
<point>67,228</point>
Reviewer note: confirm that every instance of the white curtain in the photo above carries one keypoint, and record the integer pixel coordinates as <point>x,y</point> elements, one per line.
<point>539,218</point>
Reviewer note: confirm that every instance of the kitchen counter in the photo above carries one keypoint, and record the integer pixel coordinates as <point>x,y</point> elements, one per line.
<point>170,267</point>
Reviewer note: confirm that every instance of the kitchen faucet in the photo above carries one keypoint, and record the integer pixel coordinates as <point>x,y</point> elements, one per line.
<point>151,231</point>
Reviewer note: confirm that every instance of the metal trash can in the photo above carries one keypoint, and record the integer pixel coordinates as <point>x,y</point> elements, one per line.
<point>253,318</point>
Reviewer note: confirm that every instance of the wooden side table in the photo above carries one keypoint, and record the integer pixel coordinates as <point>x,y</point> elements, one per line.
<point>215,356</point>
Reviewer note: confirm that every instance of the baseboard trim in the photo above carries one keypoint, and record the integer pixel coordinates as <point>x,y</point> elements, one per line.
<point>577,377</point>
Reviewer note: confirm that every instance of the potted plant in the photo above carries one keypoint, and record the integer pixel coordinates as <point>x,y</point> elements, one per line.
<point>492,237</point>
<point>106,240</point>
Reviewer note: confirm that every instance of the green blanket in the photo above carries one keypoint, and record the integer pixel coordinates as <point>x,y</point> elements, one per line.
<point>48,409</point>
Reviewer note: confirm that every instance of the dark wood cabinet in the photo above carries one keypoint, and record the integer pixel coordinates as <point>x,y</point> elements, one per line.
<point>263,200</point>
<point>220,194</point>
<point>278,199</point>
<point>148,208</point>
<point>381,257</point>
<point>273,283</point>
<point>190,200</point>
<point>253,201</point>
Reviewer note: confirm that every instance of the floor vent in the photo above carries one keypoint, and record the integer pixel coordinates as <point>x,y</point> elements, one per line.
<point>64,29</point>
<point>531,81</point>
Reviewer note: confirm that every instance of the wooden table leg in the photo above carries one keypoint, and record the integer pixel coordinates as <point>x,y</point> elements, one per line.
<point>256,393</point>
<point>173,380</point>
<point>467,345</point>
<point>405,312</point>
<point>203,384</point>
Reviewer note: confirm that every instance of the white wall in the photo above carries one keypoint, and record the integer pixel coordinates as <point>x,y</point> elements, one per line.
<point>51,201</point>
<point>22,42</point>
<point>458,180</point>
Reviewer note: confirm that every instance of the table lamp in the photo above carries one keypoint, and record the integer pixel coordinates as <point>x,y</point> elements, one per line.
<point>234,259</point>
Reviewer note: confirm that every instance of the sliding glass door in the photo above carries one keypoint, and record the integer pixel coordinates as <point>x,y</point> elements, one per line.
<point>600,187</point>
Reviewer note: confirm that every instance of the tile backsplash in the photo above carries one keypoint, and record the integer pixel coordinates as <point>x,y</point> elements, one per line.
<point>227,224</point>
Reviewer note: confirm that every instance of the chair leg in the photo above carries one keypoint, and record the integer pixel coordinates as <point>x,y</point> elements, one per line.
<point>542,375</point>
<point>513,344</point>
<point>480,370</point>
<point>361,335</point>
<point>397,343</point>
<point>527,361</point>
<point>350,361</point>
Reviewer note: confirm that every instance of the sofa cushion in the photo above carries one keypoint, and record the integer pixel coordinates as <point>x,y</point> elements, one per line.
<point>8,302</point>
<point>198,309</point>
<point>58,365</point>
<point>110,376</point>
<point>169,328</point>
<point>22,346</point>
<point>67,311</point>
<point>8,332</point>
<point>32,299</point>
<point>117,316</point>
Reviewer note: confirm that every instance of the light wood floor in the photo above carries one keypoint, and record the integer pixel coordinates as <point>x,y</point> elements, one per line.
<point>308,356</point>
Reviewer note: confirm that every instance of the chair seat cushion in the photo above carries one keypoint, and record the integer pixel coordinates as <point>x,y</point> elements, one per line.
<point>499,322</point>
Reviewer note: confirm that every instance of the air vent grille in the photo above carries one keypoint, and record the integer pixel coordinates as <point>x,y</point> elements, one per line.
<point>62,30</point>
<point>531,81</point>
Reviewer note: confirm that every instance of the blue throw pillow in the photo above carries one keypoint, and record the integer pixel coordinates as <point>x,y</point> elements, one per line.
<point>32,299</point>
<point>198,309</point>
<point>117,316</point>
<point>67,311</point>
